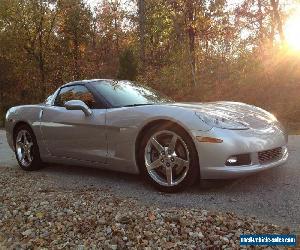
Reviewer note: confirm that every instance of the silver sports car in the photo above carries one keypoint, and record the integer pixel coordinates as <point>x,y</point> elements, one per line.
<point>124,126</point>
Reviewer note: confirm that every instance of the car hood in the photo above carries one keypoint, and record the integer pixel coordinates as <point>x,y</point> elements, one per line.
<point>249,115</point>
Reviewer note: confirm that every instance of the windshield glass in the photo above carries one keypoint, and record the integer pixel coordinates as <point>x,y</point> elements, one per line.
<point>127,93</point>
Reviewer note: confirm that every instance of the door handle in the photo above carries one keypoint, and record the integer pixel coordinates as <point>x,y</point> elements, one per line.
<point>41,114</point>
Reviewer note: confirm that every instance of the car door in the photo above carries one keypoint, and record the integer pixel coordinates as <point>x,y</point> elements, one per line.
<point>71,133</point>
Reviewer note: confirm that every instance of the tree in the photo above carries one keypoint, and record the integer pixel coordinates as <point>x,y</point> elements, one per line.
<point>188,48</point>
<point>32,22</point>
<point>141,14</point>
<point>128,65</point>
<point>112,36</point>
<point>74,33</point>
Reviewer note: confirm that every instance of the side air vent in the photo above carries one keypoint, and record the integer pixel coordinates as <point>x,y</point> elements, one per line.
<point>270,155</point>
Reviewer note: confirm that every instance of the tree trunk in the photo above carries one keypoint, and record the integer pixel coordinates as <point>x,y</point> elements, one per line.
<point>41,59</point>
<point>76,56</point>
<point>141,13</point>
<point>260,21</point>
<point>191,34</point>
<point>117,36</point>
<point>275,6</point>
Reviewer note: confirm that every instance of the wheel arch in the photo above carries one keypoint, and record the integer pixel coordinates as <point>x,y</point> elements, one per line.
<point>159,122</point>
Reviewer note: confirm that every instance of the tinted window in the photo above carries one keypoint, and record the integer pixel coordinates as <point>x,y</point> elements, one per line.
<point>126,93</point>
<point>76,92</point>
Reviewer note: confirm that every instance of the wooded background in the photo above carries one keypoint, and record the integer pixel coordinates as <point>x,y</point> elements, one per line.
<point>192,50</point>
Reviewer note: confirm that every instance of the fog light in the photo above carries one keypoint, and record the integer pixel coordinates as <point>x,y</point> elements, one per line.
<point>238,160</point>
<point>232,160</point>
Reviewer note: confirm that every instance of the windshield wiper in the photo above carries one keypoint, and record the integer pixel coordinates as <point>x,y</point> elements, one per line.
<point>137,104</point>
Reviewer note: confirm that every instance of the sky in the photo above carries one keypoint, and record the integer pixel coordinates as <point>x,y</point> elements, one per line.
<point>230,3</point>
<point>93,3</point>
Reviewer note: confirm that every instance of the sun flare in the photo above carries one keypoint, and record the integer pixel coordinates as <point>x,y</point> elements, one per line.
<point>292,30</point>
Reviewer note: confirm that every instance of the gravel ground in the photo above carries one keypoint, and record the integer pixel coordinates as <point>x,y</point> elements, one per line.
<point>273,196</point>
<point>35,213</point>
<point>82,208</point>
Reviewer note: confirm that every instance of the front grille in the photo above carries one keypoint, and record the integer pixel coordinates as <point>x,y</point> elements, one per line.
<point>270,155</point>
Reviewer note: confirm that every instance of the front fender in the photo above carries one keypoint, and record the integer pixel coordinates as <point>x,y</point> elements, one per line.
<point>28,114</point>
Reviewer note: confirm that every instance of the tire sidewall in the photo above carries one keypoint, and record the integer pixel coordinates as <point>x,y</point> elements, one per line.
<point>194,171</point>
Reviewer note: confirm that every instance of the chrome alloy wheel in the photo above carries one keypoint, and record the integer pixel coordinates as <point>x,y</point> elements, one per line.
<point>167,158</point>
<point>24,148</point>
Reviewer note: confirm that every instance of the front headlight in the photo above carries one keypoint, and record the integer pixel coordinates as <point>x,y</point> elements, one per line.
<point>221,121</point>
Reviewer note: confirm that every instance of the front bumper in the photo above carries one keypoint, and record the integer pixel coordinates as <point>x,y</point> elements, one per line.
<point>213,156</point>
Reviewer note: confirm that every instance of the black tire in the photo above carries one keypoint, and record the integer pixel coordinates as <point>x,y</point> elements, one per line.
<point>36,162</point>
<point>193,173</point>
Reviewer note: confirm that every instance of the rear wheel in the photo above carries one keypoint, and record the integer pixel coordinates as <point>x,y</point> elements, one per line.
<point>168,158</point>
<point>26,149</point>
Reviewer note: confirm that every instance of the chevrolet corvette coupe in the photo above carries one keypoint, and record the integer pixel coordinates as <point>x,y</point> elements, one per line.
<point>125,126</point>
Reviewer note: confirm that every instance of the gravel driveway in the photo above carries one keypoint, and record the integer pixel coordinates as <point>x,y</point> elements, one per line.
<point>272,196</point>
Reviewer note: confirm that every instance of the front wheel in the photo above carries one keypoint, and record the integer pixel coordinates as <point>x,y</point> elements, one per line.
<point>168,159</point>
<point>26,149</point>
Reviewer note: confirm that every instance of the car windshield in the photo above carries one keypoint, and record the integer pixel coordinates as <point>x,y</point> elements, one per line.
<point>127,93</point>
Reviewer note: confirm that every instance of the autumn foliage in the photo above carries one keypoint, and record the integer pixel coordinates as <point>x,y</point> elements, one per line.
<point>190,49</point>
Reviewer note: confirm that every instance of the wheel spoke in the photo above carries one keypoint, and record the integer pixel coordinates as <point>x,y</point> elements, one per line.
<point>29,157</point>
<point>154,164</point>
<point>20,144</point>
<point>22,156</point>
<point>25,139</point>
<point>157,145</point>
<point>172,145</point>
<point>181,162</point>
<point>20,137</point>
<point>169,175</point>
<point>23,136</point>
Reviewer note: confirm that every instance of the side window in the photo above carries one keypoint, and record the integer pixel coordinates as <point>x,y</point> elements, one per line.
<point>48,100</point>
<point>75,92</point>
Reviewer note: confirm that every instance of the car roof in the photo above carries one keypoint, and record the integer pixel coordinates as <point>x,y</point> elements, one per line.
<point>86,81</point>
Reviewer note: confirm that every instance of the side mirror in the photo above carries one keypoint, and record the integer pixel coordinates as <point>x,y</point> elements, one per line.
<point>78,105</point>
